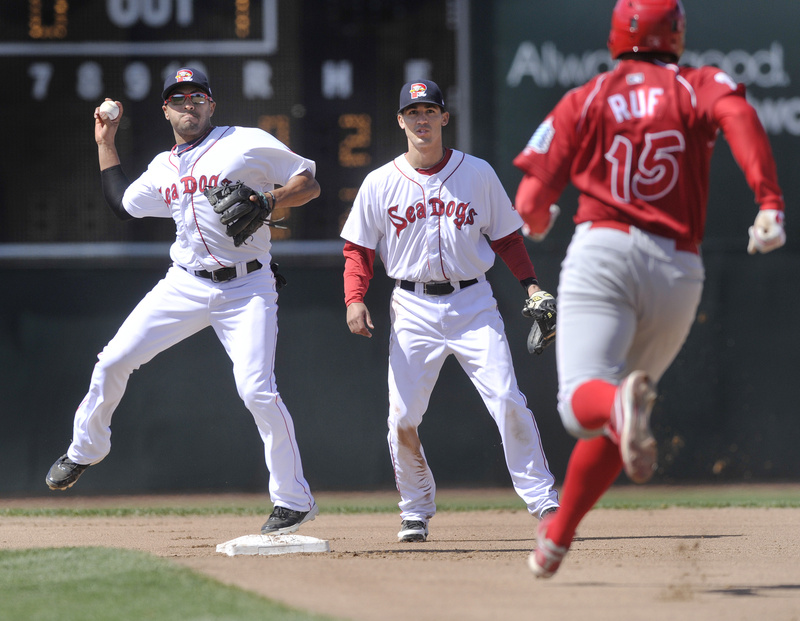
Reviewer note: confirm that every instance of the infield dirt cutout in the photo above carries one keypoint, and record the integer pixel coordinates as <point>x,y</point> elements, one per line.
<point>676,563</point>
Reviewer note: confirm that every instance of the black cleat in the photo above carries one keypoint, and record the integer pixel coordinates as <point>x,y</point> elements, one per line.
<point>413,530</point>
<point>548,511</point>
<point>64,473</point>
<point>283,521</point>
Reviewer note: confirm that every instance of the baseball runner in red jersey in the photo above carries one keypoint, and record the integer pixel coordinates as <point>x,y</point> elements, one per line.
<point>428,212</point>
<point>636,142</point>
<point>220,277</point>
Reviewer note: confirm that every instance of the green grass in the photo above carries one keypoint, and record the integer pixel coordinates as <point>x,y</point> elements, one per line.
<point>701,497</point>
<point>643,497</point>
<point>102,584</point>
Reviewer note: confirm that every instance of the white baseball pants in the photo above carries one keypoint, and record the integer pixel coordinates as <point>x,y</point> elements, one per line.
<point>427,329</point>
<point>243,314</point>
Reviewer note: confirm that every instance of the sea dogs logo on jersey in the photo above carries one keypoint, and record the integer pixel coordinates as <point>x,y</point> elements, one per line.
<point>184,75</point>
<point>189,185</point>
<point>460,213</point>
<point>418,90</point>
<point>542,137</point>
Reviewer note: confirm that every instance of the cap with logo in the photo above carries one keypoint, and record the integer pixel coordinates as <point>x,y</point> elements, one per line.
<point>421,91</point>
<point>186,75</point>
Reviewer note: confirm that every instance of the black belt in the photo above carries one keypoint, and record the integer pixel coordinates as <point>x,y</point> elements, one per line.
<point>225,273</point>
<point>436,288</point>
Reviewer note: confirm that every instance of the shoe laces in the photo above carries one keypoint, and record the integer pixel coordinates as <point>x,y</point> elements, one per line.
<point>282,512</point>
<point>68,465</point>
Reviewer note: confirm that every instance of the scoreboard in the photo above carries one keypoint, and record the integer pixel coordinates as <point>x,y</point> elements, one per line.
<point>323,77</point>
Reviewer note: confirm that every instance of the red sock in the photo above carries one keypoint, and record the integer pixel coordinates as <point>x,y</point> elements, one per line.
<point>593,403</point>
<point>593,466</point>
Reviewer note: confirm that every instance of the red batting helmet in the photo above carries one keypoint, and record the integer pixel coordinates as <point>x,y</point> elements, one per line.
<point>647,26</point>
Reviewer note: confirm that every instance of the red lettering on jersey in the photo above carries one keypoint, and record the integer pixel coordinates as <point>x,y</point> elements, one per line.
<point>398,221</point>
<point>189,185</point>
<point>174,196</point>
<point>193,186</point>
<point>460,212</point>
<point>437,206</point>
<point>461,215</point>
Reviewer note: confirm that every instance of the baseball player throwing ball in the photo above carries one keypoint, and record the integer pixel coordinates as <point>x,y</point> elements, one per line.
<point>428,211</point>
<point>219,185</point>
<point>636,142</point>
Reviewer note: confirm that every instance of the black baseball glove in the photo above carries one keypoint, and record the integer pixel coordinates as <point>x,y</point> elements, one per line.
<point>541,307</point>
<point>280,279</point>
<point>241,215</point>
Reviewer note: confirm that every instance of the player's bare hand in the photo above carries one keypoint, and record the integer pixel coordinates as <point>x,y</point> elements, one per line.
<point>105,128</point>
<point>533,289</point>
<point>359,320</point>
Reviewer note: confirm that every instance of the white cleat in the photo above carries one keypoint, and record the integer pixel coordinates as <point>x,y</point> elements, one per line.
<point>634,402</point>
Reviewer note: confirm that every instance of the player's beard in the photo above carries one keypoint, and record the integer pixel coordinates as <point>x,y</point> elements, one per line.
<point>190,126</point>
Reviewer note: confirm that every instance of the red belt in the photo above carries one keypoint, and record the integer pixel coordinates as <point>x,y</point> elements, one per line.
<point>683,245</point>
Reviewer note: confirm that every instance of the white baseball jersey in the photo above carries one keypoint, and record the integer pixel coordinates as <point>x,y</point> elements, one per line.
<point>172,186</point>
<point>399,212</point>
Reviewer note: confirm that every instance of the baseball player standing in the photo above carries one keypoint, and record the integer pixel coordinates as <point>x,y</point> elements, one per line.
<point>636,142</point>
<point>215,280</point>
<point>428,212</point>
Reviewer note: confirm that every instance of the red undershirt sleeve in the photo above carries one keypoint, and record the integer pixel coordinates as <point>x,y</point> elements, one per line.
<point>358,271</point>
<point>511,249</point>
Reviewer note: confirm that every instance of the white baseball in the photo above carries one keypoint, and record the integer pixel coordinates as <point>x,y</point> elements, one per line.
<point>111,109</point>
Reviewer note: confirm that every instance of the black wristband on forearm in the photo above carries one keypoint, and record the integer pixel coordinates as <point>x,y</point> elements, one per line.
<point>115,182</point>
<point>528,282</point>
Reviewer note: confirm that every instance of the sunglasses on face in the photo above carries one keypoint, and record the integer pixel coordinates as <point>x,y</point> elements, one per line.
<point>180,98</point>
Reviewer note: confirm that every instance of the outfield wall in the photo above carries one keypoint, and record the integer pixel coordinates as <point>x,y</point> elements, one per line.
<point>727,409</point>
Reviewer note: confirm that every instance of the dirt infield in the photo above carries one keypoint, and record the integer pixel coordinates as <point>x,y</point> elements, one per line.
<point>712,564</point>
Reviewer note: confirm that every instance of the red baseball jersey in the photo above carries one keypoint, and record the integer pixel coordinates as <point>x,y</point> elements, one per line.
<point>637,143</point>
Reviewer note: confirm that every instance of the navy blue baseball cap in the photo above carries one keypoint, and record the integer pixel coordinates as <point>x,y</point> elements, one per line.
<point>420,91</point>
<point>186,75</point>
